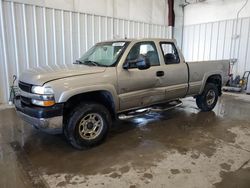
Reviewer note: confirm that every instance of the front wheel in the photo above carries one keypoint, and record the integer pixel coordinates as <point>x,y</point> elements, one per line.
<point>209,97</point>
<point>88,125</point>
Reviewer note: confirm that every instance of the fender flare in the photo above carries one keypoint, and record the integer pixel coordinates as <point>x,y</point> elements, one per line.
<point>66,95</point>
<point>207,75</point>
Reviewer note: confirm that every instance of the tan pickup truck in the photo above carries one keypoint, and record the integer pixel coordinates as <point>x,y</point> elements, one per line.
<point>115,79</point>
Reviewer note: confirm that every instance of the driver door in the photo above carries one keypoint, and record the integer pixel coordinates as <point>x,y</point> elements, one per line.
<point>138,88</point>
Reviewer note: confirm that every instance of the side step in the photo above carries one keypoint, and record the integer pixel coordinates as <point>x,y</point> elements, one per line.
<point>155,108</point>
<point>166,106</point>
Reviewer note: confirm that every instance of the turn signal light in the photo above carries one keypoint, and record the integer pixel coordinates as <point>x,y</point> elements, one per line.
<point>48,103</point>
<point>43,103</point>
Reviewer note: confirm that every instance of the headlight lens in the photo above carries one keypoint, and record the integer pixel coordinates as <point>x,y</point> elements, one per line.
<point>42,90</point>
<point>43,103</point>
<point>46,96</point>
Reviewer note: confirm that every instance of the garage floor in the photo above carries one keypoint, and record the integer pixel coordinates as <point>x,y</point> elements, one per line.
<point>178,148</point>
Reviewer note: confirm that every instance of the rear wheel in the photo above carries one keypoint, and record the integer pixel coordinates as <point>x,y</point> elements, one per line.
<point>88,125</point>
<point>209,97</point>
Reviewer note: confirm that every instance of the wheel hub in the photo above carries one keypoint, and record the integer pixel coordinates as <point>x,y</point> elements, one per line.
<point>90,126</point>
<point>210,97</point>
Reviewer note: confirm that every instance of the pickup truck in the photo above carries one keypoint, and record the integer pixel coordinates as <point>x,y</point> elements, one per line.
<point>118,78</point>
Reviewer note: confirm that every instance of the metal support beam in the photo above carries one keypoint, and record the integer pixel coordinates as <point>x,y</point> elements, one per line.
<point>6,76</point>
<point>25,36</point>
<point>13,16</point>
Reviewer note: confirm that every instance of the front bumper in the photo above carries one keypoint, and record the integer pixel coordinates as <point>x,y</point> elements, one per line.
<point>49,119</point>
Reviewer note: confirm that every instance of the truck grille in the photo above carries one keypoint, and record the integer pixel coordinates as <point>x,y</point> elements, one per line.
<point>25,100</point>
<point>25,87</point>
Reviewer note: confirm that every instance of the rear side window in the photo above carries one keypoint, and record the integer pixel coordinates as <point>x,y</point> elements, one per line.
<point>146,49</point>
<point>170,53</point>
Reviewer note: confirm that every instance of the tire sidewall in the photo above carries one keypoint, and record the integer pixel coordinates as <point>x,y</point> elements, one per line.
<point>202,101</point>
<point>72,128</point>
<point>215,90</point>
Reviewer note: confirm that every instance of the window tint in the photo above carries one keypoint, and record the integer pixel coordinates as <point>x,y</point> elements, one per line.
<point>170,53</point>
<point>145,49</point>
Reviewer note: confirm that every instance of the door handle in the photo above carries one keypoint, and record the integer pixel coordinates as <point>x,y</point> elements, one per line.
<point>160,73</point>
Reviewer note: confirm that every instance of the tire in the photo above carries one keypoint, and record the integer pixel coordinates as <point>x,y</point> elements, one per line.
<point>209,97</point>
<point>87,125</point>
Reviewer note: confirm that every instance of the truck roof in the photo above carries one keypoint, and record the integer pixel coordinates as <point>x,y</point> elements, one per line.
<point>141,39</point>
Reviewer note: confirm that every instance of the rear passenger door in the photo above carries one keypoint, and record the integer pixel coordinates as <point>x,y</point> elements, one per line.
<point>136,87</point>
<point>176,73</point>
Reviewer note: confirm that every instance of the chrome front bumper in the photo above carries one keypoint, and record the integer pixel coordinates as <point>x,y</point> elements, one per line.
<point>49,125</point>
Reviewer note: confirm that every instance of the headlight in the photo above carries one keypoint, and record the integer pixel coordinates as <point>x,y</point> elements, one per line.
<point>45,96</point>
<point>42,103</point>
<point>42,90</point>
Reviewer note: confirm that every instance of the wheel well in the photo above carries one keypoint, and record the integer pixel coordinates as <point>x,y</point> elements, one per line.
<point>102,97</point>
<point>216,79</point>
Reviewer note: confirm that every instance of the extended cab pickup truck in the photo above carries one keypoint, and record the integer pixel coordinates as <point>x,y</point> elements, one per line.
<point>115,79</point>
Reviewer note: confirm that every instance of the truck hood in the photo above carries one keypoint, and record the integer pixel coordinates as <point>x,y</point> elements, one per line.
<point>41,75</point>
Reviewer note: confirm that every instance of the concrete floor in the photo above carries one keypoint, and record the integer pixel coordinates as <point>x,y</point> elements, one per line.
<point>178,148</point>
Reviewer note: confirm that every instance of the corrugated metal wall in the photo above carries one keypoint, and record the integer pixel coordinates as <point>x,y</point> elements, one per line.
<point>227,39</point>
<point>33,36</point>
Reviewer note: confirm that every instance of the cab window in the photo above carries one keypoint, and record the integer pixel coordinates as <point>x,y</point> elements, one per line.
<point>170,53</point>
<point>145,49</point>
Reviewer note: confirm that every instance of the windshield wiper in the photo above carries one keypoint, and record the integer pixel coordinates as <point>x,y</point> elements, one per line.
<point>95,63</point>
<point>79,62</point>
<point>88,62</point>
<point>91,62</point>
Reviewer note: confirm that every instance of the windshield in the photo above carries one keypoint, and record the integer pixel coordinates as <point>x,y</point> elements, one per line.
<point>103,54</point>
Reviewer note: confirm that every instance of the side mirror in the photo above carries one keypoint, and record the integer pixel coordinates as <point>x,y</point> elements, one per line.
<point>141,63</point>
<point>171,59</point>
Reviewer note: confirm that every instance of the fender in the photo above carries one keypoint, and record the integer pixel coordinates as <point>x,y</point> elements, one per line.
<point>85,89</point>
<point>207,75</point>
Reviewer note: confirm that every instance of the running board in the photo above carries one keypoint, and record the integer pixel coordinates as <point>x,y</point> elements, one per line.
<point>165,107</point>
<point>133,114</point>
<point>154,108</point>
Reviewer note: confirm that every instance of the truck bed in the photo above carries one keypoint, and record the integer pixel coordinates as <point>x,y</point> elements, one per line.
<point>200,70</point>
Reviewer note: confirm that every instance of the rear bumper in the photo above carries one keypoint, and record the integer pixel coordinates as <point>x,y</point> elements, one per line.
<point>49,120</point>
